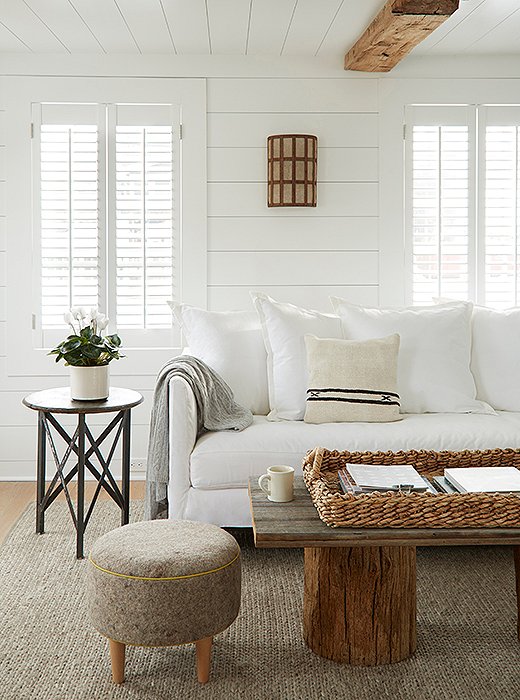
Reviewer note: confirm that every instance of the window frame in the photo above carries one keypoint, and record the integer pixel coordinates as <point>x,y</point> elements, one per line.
<point>476,118</point>
<point>106,121</point>
<point>439,115</point>
<point>394,96</point>
<point>24,357</point>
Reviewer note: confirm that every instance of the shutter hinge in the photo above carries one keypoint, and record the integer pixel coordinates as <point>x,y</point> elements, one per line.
<point>180,132</point>
<point>32,130</point>
<point>33,317</point>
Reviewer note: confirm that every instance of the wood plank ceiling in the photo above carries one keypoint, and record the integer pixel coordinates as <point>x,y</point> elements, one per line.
<point>237,27</point>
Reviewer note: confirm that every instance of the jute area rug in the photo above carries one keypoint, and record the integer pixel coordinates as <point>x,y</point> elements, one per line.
<point>467,645</point>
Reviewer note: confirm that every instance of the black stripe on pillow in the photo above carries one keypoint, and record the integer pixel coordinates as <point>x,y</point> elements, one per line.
<point>345,400</point>
<point>364,396</point>
<point>356,391</point>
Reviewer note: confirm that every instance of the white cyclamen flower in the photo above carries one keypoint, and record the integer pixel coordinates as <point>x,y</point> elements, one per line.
<point>93,313</point>
<point>84,313</point>
<point>76,313</point>
<point>102,323</point>
<point>68,318</point>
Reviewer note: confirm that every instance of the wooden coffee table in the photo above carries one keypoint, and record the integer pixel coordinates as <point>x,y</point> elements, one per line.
<point>359,602</point>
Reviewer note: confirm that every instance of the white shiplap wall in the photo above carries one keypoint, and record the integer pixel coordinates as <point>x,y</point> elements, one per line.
<point>2,236</point>
<point>298,255</point>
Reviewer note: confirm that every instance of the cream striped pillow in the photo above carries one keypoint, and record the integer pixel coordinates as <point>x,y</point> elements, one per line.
<point>352,380</point>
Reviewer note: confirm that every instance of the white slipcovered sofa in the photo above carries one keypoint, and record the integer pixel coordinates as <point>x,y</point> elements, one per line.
<point>209,476</point>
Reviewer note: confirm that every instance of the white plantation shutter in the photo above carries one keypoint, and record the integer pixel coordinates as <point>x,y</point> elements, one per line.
<point>500,134</point>
<point>439,203</point>
<point>69,210</point>
<point>463,224</point>
<point>107,188</point>
<point>146,220</point>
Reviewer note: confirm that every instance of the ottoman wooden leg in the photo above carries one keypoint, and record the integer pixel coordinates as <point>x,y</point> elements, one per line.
<point>117,656</point>
<point>203,658</point>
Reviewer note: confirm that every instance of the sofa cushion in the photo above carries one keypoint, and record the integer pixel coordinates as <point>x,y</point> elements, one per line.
<point>496,346</point>
<point>284,327</point>
<point>227,460</point>
<point>434,357</point>
<point>231,343</point>
<point>352,380</point>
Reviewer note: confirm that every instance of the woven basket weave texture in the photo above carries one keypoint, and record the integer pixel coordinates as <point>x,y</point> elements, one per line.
<point>415,510</point>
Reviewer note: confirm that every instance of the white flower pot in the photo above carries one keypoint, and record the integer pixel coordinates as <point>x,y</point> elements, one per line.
<point>89,383</point>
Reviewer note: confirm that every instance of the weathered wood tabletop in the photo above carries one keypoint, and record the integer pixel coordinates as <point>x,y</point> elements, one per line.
<point>297,524</point>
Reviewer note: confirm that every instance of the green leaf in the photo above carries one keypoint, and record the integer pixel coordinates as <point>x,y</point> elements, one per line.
<point>114,339</point>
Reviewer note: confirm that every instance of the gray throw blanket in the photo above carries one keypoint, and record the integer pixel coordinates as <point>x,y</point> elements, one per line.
<point>216,410</point>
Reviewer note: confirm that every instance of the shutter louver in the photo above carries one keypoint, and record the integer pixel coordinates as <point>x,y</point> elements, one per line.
<point>440,212</point>
<point>69,220</point>
<point>502,197</point>
<point>144,226</point>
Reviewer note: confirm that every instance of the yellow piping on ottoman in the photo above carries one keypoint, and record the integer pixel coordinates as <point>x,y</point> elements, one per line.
<point>163,578</point>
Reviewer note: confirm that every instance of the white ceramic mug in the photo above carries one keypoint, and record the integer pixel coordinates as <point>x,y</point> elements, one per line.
<point>280,483</point>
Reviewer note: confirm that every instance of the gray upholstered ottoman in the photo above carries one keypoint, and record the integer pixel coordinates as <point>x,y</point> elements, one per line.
<point>163,583</point>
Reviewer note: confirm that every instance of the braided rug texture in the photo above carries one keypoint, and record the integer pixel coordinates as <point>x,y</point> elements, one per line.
<point>466,628</point>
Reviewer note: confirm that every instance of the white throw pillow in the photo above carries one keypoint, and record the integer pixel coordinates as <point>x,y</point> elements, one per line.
<point>495,357</point>
<point>231,343</point>
<point>352,380</point>
<point>284,327</point>
<point>434,358</point>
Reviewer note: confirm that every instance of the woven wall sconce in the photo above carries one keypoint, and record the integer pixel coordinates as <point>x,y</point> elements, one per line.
<point>292,161</point>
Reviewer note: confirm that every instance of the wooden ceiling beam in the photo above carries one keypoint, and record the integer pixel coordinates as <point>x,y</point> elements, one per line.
<point>396,30</point>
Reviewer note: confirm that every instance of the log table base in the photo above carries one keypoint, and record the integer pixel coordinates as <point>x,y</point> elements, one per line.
<point>360,603</point>
<point>360,583</point>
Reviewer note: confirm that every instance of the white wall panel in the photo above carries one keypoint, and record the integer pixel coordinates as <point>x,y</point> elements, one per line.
<point>59,376</point>
<point>3,233</point>
<point>334,199</point>
<point>283,95</point>
<point>293,233</point>
<point>2,196</point>
<point>315,297</point>
<point>2,307</point>
<point>2,269</point>
<point>3,328</point>
<point>237,130</point>
<point>334,164</point>
<point>293,268</point>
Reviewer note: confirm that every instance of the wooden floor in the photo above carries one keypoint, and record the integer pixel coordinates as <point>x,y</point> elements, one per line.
<point>15,496</point>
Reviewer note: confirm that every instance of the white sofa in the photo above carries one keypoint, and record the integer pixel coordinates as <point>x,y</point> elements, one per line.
<point>209,476</point>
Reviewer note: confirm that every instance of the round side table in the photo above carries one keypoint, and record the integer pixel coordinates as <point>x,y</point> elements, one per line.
<point>85,447</point>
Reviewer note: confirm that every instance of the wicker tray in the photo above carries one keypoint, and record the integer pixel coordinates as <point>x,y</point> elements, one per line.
<point>415,510</point>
